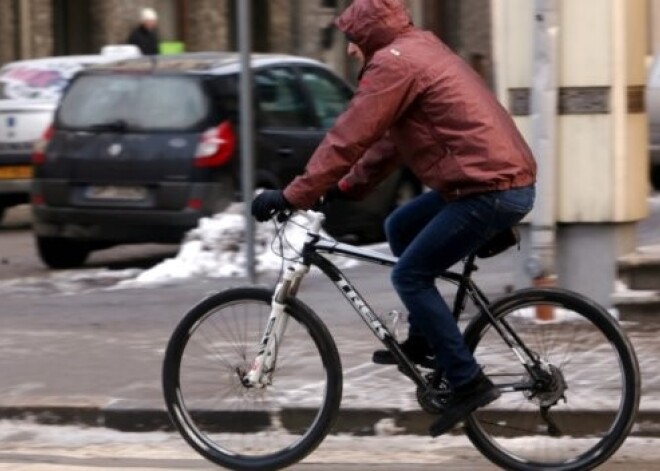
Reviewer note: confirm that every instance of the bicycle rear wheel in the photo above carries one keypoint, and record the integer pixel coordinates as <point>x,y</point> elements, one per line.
<point>237,426</point>
<point>582,410</point>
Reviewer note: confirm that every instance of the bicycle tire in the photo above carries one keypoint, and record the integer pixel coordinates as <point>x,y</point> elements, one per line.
<point>598,423</point>
<point>281,429</point>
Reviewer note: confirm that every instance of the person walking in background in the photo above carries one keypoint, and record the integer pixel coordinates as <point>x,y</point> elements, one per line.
<point>145,35</point>
<point>420,105</point>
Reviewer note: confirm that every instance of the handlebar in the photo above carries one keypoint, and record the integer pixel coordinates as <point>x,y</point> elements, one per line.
<point>314,219</point>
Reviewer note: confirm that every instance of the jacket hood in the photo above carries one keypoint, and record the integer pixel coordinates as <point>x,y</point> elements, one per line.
<point>373,24</point>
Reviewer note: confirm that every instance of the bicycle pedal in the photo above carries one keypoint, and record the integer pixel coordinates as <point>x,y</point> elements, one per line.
<point>434,401</point>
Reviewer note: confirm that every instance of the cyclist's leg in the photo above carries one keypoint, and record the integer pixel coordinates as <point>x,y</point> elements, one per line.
<point>401,227</point>
<point>405,222</point>
<point>456,231</point>
<point>445,240</point>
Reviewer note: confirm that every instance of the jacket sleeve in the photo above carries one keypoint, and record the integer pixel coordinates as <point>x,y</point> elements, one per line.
<point>377,164</point>
<point>386,90</point>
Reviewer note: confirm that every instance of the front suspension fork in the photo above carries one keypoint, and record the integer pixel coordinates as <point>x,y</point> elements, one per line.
<point>261,371</point>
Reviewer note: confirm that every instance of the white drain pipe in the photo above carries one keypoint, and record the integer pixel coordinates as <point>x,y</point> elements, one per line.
<point>541,265</point>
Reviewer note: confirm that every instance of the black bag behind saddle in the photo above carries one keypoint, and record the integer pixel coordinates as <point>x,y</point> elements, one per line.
<point>499,243</point>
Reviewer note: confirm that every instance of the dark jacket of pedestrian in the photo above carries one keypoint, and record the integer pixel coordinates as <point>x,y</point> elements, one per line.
<point>417,104</point>
<point>145,39</point>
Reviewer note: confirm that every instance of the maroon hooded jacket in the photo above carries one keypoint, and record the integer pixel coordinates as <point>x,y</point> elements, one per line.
<point>419,105</point>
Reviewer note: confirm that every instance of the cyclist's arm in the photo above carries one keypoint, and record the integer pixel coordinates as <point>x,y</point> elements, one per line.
<point>386,90</point>
<point>377,164</point>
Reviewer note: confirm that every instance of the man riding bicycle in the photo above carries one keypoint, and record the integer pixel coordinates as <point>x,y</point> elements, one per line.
<point>420,105</point>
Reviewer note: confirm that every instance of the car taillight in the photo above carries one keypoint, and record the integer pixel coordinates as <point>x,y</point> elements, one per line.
<point>195,203</point>
<point>216,146</point>
<point>39,153</point>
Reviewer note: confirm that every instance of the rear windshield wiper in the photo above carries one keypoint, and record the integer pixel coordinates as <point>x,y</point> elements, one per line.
<point>118,125</point>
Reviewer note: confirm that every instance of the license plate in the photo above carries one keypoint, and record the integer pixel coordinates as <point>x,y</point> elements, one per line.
<point>15,172</point>
<point>124,193</point>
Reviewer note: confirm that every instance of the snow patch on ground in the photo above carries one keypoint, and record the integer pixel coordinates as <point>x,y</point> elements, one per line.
<point>217,249</point>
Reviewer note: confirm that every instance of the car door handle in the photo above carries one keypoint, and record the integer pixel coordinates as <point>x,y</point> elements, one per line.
<point>285,151</point>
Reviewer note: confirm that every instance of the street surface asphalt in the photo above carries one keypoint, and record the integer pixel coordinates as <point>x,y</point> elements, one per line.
<point>92,356</point>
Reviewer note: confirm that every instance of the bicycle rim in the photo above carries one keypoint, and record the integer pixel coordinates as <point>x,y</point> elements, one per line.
<point>591,385</point>
<point>241,427</point>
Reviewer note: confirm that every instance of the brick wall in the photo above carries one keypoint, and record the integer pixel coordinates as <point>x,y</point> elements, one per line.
<point>280,25</point>
<point>207,25</point>
<point>314,19</point>
<point>43,44</point>
<point>113,20</point>
<point>475,26</point>
<point>41,30</point>
<point>7,32</point>
<point>475,34</point>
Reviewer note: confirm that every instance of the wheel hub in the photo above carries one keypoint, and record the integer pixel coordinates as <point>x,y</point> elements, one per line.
<point>547,391</point>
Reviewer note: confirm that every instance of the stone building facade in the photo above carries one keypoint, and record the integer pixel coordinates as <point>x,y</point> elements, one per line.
<point>39,28</point>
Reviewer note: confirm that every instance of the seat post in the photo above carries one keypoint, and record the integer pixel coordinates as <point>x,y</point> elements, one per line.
<point>461,295</point>
<point>470,267</point>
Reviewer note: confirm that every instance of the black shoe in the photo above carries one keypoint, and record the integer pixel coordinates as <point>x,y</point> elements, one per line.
<point>415,347</point>
<point>476,393</point>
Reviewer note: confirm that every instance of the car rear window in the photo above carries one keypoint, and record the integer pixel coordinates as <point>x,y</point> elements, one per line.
<point>134,103</point>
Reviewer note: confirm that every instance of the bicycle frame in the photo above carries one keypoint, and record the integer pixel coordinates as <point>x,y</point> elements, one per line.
<point>311,252</point>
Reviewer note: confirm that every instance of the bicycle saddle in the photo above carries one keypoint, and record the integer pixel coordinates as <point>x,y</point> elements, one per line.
<point>499,243</point>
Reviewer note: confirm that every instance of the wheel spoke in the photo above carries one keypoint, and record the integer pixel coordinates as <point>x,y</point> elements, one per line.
<point>523,429</point>
<point>239,425</point>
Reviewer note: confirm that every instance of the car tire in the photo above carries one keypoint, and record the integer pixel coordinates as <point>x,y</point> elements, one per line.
<point>57,252</point>
<point>655,177</point>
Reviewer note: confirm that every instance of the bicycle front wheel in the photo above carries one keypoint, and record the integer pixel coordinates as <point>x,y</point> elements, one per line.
<point>583,407</point>
<point>242,427</point>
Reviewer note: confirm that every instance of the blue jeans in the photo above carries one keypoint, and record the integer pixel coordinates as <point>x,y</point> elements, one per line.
<point>429,235</point>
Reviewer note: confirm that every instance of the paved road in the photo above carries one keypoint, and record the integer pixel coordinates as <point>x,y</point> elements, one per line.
<point>19,259</point>
<point>87,346</point>
<point>80,343</point>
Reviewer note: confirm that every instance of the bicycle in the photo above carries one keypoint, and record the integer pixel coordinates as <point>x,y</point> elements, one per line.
<point>235,388</point>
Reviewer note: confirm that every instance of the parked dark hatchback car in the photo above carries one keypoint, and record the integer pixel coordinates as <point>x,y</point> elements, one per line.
<point>141,149</point>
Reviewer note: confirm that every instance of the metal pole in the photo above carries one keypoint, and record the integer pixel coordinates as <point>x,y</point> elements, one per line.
<point>541,264</point>
<point>247,131</point>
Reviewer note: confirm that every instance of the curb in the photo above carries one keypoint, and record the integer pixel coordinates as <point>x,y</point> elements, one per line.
<point>355,422</point>
<point>637,306</point>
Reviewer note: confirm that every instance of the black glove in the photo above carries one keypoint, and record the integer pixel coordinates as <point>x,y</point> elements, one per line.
<point>268,203</point>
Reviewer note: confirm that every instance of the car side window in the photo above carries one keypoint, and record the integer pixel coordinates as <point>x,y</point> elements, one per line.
<point>329,95</point>
<point>280,103</point>
<point>224,91</point>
